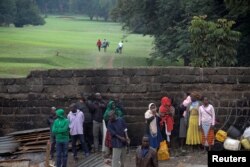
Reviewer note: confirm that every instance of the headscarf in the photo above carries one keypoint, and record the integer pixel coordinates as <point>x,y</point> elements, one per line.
<point>166,118</point>
<point>165,101</point>
<point>117,111</point>
<point>60,113</point>
<point>152,125</point>
<point>165,104</point>
<point>149,113</point>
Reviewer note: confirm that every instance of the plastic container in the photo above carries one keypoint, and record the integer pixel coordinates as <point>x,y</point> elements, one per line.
<point>233,132</point>
<point>245,143</point>
<point>221,135</point>
<point>163,153</point>
<point>232,144</point>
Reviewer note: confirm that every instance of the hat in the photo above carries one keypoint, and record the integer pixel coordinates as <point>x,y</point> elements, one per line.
<point>165,101</point>
<point>98,94</point>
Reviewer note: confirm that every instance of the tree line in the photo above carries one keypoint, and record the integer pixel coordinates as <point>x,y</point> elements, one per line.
<point>91,8</point>
<point>23,12</point>
<point>19,13</point>
<point>199,32</point>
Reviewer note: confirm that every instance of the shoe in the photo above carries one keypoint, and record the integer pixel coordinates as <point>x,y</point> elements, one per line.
<point>108,162</point>
<point>75,158</point>
<point>86,155</point>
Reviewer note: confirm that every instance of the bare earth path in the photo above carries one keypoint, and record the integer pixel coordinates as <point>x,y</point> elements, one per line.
<point>110,62</point>
<point>104,61</point>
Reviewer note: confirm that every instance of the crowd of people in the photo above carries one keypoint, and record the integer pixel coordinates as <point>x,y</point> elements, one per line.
<point>88,116</point>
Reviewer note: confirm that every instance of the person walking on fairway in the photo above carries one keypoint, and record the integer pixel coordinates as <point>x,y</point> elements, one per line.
<point>105,44</point>
<point>99,44</point>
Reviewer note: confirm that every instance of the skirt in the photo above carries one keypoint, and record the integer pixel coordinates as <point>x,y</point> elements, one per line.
<point>193,132</point>
<point>207,135</point>
<point>183,129</point>
<point>108,142</point>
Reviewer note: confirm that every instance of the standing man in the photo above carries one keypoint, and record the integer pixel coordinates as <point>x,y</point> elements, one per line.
<point>183,120</point>
<point>119,139</point>
<point>146,156</point>
<point>50,122</point>
<point>83,105</point>
<point>120,46</point>
<point>61,130</point>
<point>105,44</point>
<point>76,121</point>
<point>110,107</point>
<point>99,44</point>
<point>97,108</point>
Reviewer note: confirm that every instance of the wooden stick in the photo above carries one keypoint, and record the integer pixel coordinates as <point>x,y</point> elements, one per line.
<point>47,154</point>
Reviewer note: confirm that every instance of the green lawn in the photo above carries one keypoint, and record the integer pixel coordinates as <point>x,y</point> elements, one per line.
<point>68,42</point>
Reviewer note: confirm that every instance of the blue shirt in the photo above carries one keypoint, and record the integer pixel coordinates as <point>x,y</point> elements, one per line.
<point>118,127</point>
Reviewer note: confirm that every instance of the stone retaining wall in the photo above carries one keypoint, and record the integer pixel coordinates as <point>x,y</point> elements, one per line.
<point>25,102</point>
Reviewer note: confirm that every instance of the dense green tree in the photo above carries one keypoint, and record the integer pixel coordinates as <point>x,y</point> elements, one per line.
<point>168,22</point>
<point>20,13</point>
<point>93,8</point>
<point>54,6</point>
<point>43,5</point>
<point>240,11</point>
<point>7,12</point>
<point>27,13</point>
<point>238,7</point>
<point>213,43</point>
<point>105,6</point>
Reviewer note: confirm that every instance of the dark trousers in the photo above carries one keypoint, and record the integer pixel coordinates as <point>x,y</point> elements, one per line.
<point>61,154</point>
<point>52,145</point>
<point>82,141</point>
<point>88,134</point>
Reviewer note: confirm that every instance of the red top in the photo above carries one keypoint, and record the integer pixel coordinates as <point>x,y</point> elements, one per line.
<point>165,117</point>
<point>99,43</point>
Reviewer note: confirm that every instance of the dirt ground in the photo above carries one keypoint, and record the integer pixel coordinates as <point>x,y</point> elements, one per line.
<point>178,158</point>
<point>196,158</point>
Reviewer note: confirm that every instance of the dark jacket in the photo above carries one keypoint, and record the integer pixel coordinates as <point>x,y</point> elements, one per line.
<point>98,108</point>
<point>51,120</point>
<point>85,109</point>
<point>149,160</point>
<point>117,128</point>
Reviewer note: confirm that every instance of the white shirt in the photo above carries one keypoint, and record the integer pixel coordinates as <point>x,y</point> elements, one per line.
<point>76,122</point>
<point>120,44</point>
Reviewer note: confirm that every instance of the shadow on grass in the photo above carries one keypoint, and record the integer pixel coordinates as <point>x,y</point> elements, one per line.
<point>26,60</point>
<point>75,18</point>
<point>131,61</point>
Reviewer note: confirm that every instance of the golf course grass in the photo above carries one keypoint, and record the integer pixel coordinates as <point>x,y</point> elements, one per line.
<point>69,42</point>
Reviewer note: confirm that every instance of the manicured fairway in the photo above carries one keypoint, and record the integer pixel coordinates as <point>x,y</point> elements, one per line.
<point>68,42</point>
